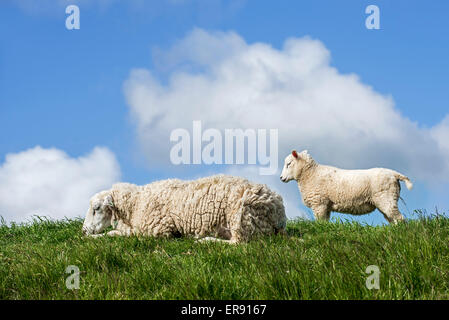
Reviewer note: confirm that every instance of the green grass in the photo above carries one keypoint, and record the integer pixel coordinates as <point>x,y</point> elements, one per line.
<point>316,261</point>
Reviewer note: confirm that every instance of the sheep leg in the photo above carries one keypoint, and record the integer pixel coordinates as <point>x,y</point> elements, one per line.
<point>215,239</point>
<point>94,236</point>
<point>114,233</point>
<point>110,233</point>
<point>393,216</point>
<point>390,211</point>
<point>321,213</point>
<point>398,216</point>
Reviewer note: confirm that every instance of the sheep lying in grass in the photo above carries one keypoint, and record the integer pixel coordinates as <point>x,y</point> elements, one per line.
<point>325,188</point>
<point>225,207</point>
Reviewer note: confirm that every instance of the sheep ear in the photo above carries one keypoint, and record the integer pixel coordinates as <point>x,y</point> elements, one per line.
<point>108,202</point>
<point>295,154</point>
<point>305,155</point>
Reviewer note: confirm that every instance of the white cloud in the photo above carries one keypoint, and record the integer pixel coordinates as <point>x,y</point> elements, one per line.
<point>220,79</point>
<point>47,182</point>
<point>441,134</point>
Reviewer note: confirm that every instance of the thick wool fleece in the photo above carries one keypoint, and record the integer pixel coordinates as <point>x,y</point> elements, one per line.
<point>222,206</point>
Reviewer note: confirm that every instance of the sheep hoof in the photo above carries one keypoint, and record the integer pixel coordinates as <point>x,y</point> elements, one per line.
<point>94,236</point>
<point>207,239</point>
<point>114,233</point>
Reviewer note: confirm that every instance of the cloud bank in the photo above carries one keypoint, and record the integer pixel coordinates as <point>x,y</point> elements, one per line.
<point>47,182</point>
<point>220,79</point>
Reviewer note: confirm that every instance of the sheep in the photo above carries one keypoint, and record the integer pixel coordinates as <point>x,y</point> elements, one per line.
<point>325,188</point>
<point>227,208</point>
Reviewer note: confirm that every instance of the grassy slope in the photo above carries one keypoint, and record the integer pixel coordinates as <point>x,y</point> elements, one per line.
<point>329,264</point>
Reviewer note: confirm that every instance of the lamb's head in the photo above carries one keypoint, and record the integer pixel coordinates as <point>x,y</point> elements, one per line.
<point>100,214</point>
<point>294,164</point>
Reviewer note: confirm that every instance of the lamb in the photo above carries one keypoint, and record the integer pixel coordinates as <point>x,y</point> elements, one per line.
<point>325,188</point>
<point>227,208</point>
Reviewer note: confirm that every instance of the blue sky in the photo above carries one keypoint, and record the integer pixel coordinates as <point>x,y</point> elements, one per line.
<point>65,89</point>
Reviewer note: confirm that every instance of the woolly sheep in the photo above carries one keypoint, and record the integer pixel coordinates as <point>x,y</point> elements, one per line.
<point>325,188</point>
<point>225,207</point>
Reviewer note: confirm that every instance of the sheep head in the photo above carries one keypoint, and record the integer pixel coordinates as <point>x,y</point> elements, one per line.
<point>100,213</point>
<point>294,164</point>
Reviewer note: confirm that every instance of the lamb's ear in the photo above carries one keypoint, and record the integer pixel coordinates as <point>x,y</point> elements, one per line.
<point>295,154</point>
<point>108,202</point>
<point>305,155</point>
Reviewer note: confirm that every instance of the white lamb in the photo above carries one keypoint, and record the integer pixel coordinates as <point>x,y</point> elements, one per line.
<point>225,207</point>
<point>325,188</point>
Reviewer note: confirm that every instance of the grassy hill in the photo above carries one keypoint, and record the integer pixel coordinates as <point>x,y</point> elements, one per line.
<point>316,261</point>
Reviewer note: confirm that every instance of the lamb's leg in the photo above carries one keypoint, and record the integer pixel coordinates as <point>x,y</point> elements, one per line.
<point>398,217</point>
<point>386,216</point>
<point>321,213</point>
<point>389,209</point>
<point>393,215</point>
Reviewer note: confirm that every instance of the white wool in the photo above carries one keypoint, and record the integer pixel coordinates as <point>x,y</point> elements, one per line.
<point>325,188</point>
<point>226,207</point>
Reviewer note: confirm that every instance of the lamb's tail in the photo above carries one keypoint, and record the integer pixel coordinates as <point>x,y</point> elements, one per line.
<point>407,181</point>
